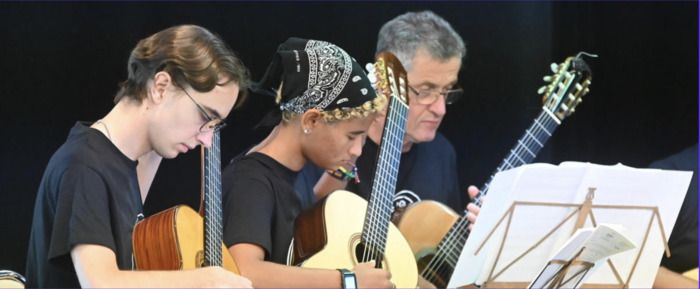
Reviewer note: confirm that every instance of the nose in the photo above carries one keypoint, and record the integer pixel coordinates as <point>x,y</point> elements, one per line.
<point>205,138</point>
<point>438,107</point>
<point>356,147</point>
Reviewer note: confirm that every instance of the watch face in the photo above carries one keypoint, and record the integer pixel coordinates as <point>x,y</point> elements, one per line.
<point>350,282</point>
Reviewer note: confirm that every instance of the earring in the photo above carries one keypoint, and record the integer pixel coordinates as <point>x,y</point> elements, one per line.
<point>307,131</point>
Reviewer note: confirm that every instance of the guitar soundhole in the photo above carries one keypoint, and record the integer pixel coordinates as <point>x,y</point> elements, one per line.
<point>366,253</point>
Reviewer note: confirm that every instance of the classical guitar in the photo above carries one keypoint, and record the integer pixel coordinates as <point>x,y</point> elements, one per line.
<point>437,234</point>
<point>332,234</point>
<point>180,238</point>
<point>11,279</point>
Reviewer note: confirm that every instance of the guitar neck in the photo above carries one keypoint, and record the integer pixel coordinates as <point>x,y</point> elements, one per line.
<point>524,152</point>
<point>213,227</point>
<point>568,84</point>
<point>527,147</point>
<point>379,209</point>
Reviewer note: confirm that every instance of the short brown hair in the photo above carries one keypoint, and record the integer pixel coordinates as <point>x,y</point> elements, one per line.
<point>192,56</point>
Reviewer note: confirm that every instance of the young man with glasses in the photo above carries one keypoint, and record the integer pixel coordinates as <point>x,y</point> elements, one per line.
<point>432,52</point>
<point>93,188</point>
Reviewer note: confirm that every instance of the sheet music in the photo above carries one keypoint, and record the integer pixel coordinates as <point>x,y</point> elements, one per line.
<point>592,245</point>
<point>569,183</point>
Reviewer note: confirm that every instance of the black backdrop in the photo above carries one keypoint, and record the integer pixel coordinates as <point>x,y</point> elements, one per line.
<point>61,62</point>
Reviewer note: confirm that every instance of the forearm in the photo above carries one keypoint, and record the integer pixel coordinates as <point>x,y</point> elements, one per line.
<point>265,274</point>
<point>96,267</point>
<point>326,185</point>
<point>147,279</point>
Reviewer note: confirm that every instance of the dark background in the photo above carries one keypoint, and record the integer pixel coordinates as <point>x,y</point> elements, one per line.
<point>61,62</point>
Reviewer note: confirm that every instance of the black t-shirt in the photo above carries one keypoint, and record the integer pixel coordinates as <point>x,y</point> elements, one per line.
<point>260,204</point>
<point>89,194</point>
<point>428,171</point>
<point>684,237</point>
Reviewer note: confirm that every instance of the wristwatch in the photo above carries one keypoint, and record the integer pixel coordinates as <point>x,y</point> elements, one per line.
<point>347,279</point>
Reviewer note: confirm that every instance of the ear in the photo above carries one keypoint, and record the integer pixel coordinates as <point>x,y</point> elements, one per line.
<point>161,81</point>
<point>311,119</point>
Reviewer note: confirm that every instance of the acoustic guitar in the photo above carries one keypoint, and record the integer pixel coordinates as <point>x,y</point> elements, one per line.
<point>180,238</point>
<point>11,279</point>
<point>331,234</point>
<point>437,234</point>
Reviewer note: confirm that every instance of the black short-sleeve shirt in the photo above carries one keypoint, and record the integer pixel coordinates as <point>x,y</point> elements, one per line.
<point>428,171</point>
<point>260,204</point>
<point>89,194</point>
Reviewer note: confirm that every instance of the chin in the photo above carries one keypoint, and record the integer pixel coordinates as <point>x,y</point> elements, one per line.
<point>170,154</point>
<point>424,137</point>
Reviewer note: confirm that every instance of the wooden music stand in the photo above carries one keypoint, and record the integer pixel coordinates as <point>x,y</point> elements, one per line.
<point>583,211</point>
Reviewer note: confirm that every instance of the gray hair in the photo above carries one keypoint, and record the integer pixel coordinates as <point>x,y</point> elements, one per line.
<point>406,33</point>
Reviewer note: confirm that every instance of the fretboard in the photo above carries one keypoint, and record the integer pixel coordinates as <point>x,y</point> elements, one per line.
<point>213,228</point>
<point>526,148</point>
<point>379,209</point>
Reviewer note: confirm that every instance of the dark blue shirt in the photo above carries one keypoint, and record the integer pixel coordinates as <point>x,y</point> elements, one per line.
<point>683,241</point>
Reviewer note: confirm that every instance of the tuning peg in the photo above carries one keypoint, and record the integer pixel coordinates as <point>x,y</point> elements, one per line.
<point>554,67</point>
<point>541,90</point>
<point>547,78</point>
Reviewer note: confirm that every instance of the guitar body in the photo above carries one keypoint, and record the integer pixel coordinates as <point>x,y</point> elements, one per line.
<point>11,279</point>
<point>328,234</point>
<point>426,214</point>
<point>173,240</point>
<point>414,224</point>
<point>692,274</point>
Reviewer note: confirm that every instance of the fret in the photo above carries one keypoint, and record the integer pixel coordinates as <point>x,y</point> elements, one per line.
<point>505,161</point>
<point>512,153</point>
<point>527,132</point>
<point>526,149</point>
<point>543,128</point>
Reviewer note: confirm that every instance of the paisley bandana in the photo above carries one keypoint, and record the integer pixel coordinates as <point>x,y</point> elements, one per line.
<point>316,74</point>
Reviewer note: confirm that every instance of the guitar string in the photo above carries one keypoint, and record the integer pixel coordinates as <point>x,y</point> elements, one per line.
<point>447,250</point>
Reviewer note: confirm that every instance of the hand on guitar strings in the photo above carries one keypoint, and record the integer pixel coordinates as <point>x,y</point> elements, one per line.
<point>370,277</point>
<point>473,209</point>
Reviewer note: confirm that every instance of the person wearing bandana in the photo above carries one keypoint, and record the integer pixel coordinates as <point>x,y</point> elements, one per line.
<point>326,104</point>
<point>432,53</point>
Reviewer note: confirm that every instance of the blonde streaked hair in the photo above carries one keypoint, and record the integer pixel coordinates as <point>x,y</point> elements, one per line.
<point>343,113</point>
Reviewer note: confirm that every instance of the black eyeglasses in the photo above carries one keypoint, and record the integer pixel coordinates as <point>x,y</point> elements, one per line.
<point>211,124</point>
<point>430,95</point>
